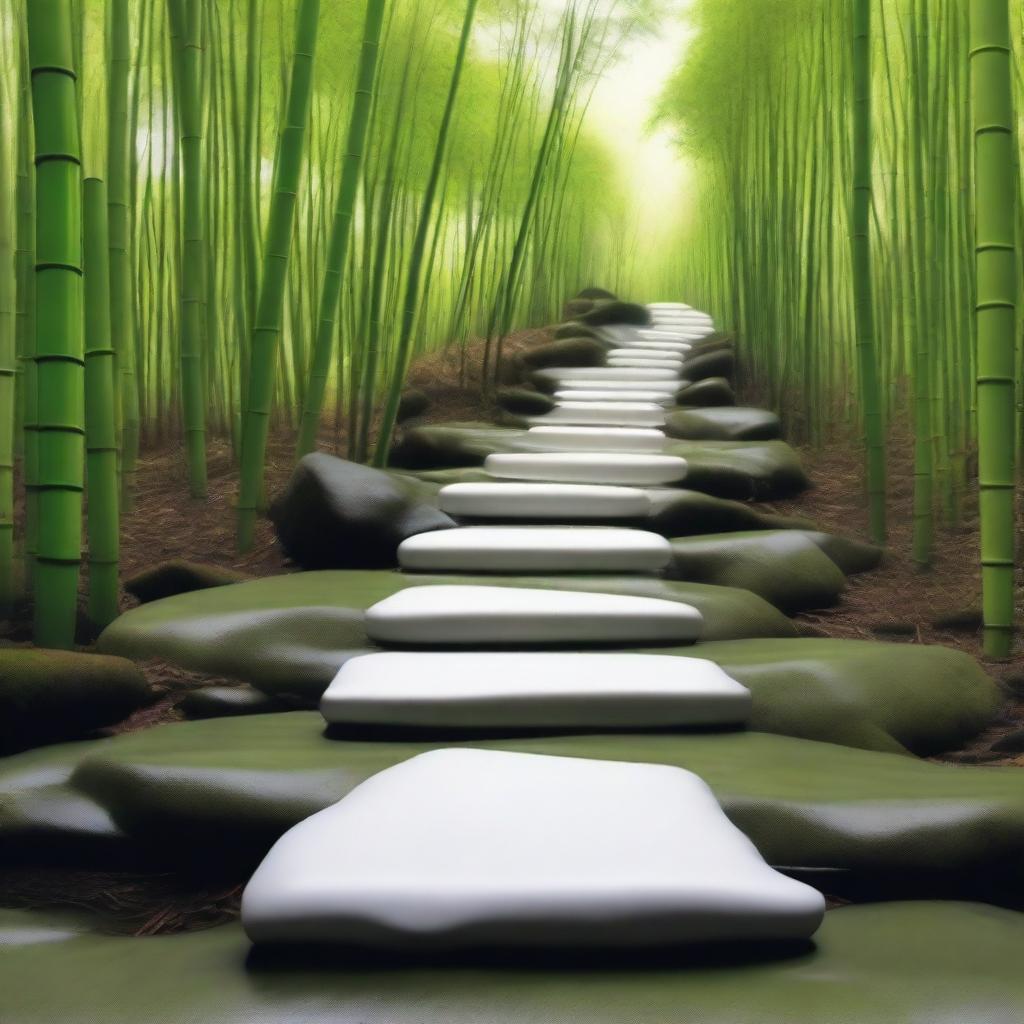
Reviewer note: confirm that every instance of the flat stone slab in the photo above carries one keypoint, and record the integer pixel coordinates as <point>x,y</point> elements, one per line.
<point>558,374</point>
<point>886,963</point>
<point>641,362</point>
<point>631,439</point>
<point>585,395</point>
<point>641,345</point>
<point>762,470</point>
<point>576,854</point>
<point>452,614</point>
<point>623,414</point>
<point>528,690</point>
<point>564,502</point>
<point>667,389</point>
<point>588,467</point>
<point>519,549</point>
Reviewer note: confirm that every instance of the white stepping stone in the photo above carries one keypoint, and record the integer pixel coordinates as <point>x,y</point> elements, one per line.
<point>432,615</point>
<point>563,373</point>
<point>684,336</point>
<point>588,467</point>
<point>673,306</point>
<point>656,397</point>
<point>654,347</point>
<point>509,500</point>
<point>533,690</point>
<point>664,387</point>
<point>675,365</point>
<point>600,439</point>
<point>683,322</point>
<point>463,848</point>
<point>620,414</point>
<point>645,354</point>
<point>535,549</point>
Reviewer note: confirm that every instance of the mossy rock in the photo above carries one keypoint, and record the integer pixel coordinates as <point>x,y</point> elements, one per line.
<point>861,693</point>
<point>596,293</point>
<point>412,403</point>
<point>726,423</point>
<point>720,362</point>
<point>338,514</point>
<point>289,634</point>
<point>852,556</point>
<point>711,392</point>
<point>575,329</point>
<point>575,307</point>
<point>564,352</point>
<point>50,696</point>
<point>893,963</point>
<point>524,401</point>
<point>614,311</point>
<point>785,567</point>
<point>762,470</point>
<point>179,576</point>
<point>219,792</point>
<point>224,701</point>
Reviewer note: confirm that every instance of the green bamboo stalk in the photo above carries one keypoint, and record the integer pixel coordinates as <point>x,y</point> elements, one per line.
<point>992,118</point>
<point>341,228</point>
<point>59,350</point>
<point>867,356</point>
<point>410,304</point>
<point>267,326</point>
<point>187,27</point>
<point>100,432</point>
<point>8,365</point>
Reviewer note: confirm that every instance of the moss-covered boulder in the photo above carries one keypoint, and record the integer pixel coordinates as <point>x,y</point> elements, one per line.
<point>179,576</point>
<point>893,963</point>
<point>725,423</point>
<point>614,311</point>
<point>338,514</point>
<point>575,329</point>
<point>762,470</point>
<point>596,293</point>
<point>711,392</point>
<point>524,402</point>
<point>291,633</point>
<point>852,556</point>
<point>579,351</point>
<point>719,362</point>
<point>49,696</point>
<point>785,567</point>
<point>412,403</point>
<point>224,789</point>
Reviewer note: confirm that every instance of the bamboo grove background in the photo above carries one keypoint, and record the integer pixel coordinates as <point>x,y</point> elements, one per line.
<point>301,197</point>
<point>763,106</point>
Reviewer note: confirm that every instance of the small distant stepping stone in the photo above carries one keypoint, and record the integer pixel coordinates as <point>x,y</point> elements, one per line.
<point>441,615</point>
<point>563,373</point>
<point>526,549</point>
<point>464,848</point>
<point>588,467</point>
<point>679,335</point>
<point>666,388</point>
<point>624,414</point>
<point>543,501</point>
<point>533,690</point>
<point>628,362</point>
<point>651,354</point>
<point>653,347</point>
<point>600,439</point>
<point>662,398</point>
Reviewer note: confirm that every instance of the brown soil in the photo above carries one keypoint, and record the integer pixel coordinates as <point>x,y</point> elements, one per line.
<point>897,602</point>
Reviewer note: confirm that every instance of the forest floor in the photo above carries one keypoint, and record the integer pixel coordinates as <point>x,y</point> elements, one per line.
<point>896,602</point>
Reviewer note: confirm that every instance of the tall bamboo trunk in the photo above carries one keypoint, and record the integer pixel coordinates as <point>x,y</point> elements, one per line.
<point>996,265</point>
<point>100,392</point>
<point>267,325</point>
<point>59,351</point>
<point>187,27</point>
<point>126,396</point>
<point>8,370</point>
<point>341,229</point>
<point>867,355</point>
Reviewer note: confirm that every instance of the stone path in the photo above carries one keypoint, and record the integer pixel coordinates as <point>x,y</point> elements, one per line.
<point>633,834</point>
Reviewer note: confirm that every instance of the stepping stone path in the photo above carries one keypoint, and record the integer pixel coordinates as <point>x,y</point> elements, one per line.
<point>619,414</point>
<point>543,501</point>
<point>662,398</point>
<point>589,467</point>
<point>634,439</point>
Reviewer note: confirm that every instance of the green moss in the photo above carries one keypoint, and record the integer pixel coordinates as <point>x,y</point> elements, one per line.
<point>179,576</point>
<point>48,696</point>
<point>723,424</point>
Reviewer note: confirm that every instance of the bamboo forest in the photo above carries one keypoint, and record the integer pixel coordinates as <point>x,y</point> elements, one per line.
<point>509,511</point>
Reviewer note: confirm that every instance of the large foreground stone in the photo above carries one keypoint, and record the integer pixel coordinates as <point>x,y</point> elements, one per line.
<point>575,854</point>
<point>763,470</point>
<point>785,567</point>
<point>291,633</point>
<point>338,514</point>
<point>50,696</point>
<point>222,790</point>
<point>893,963</point>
